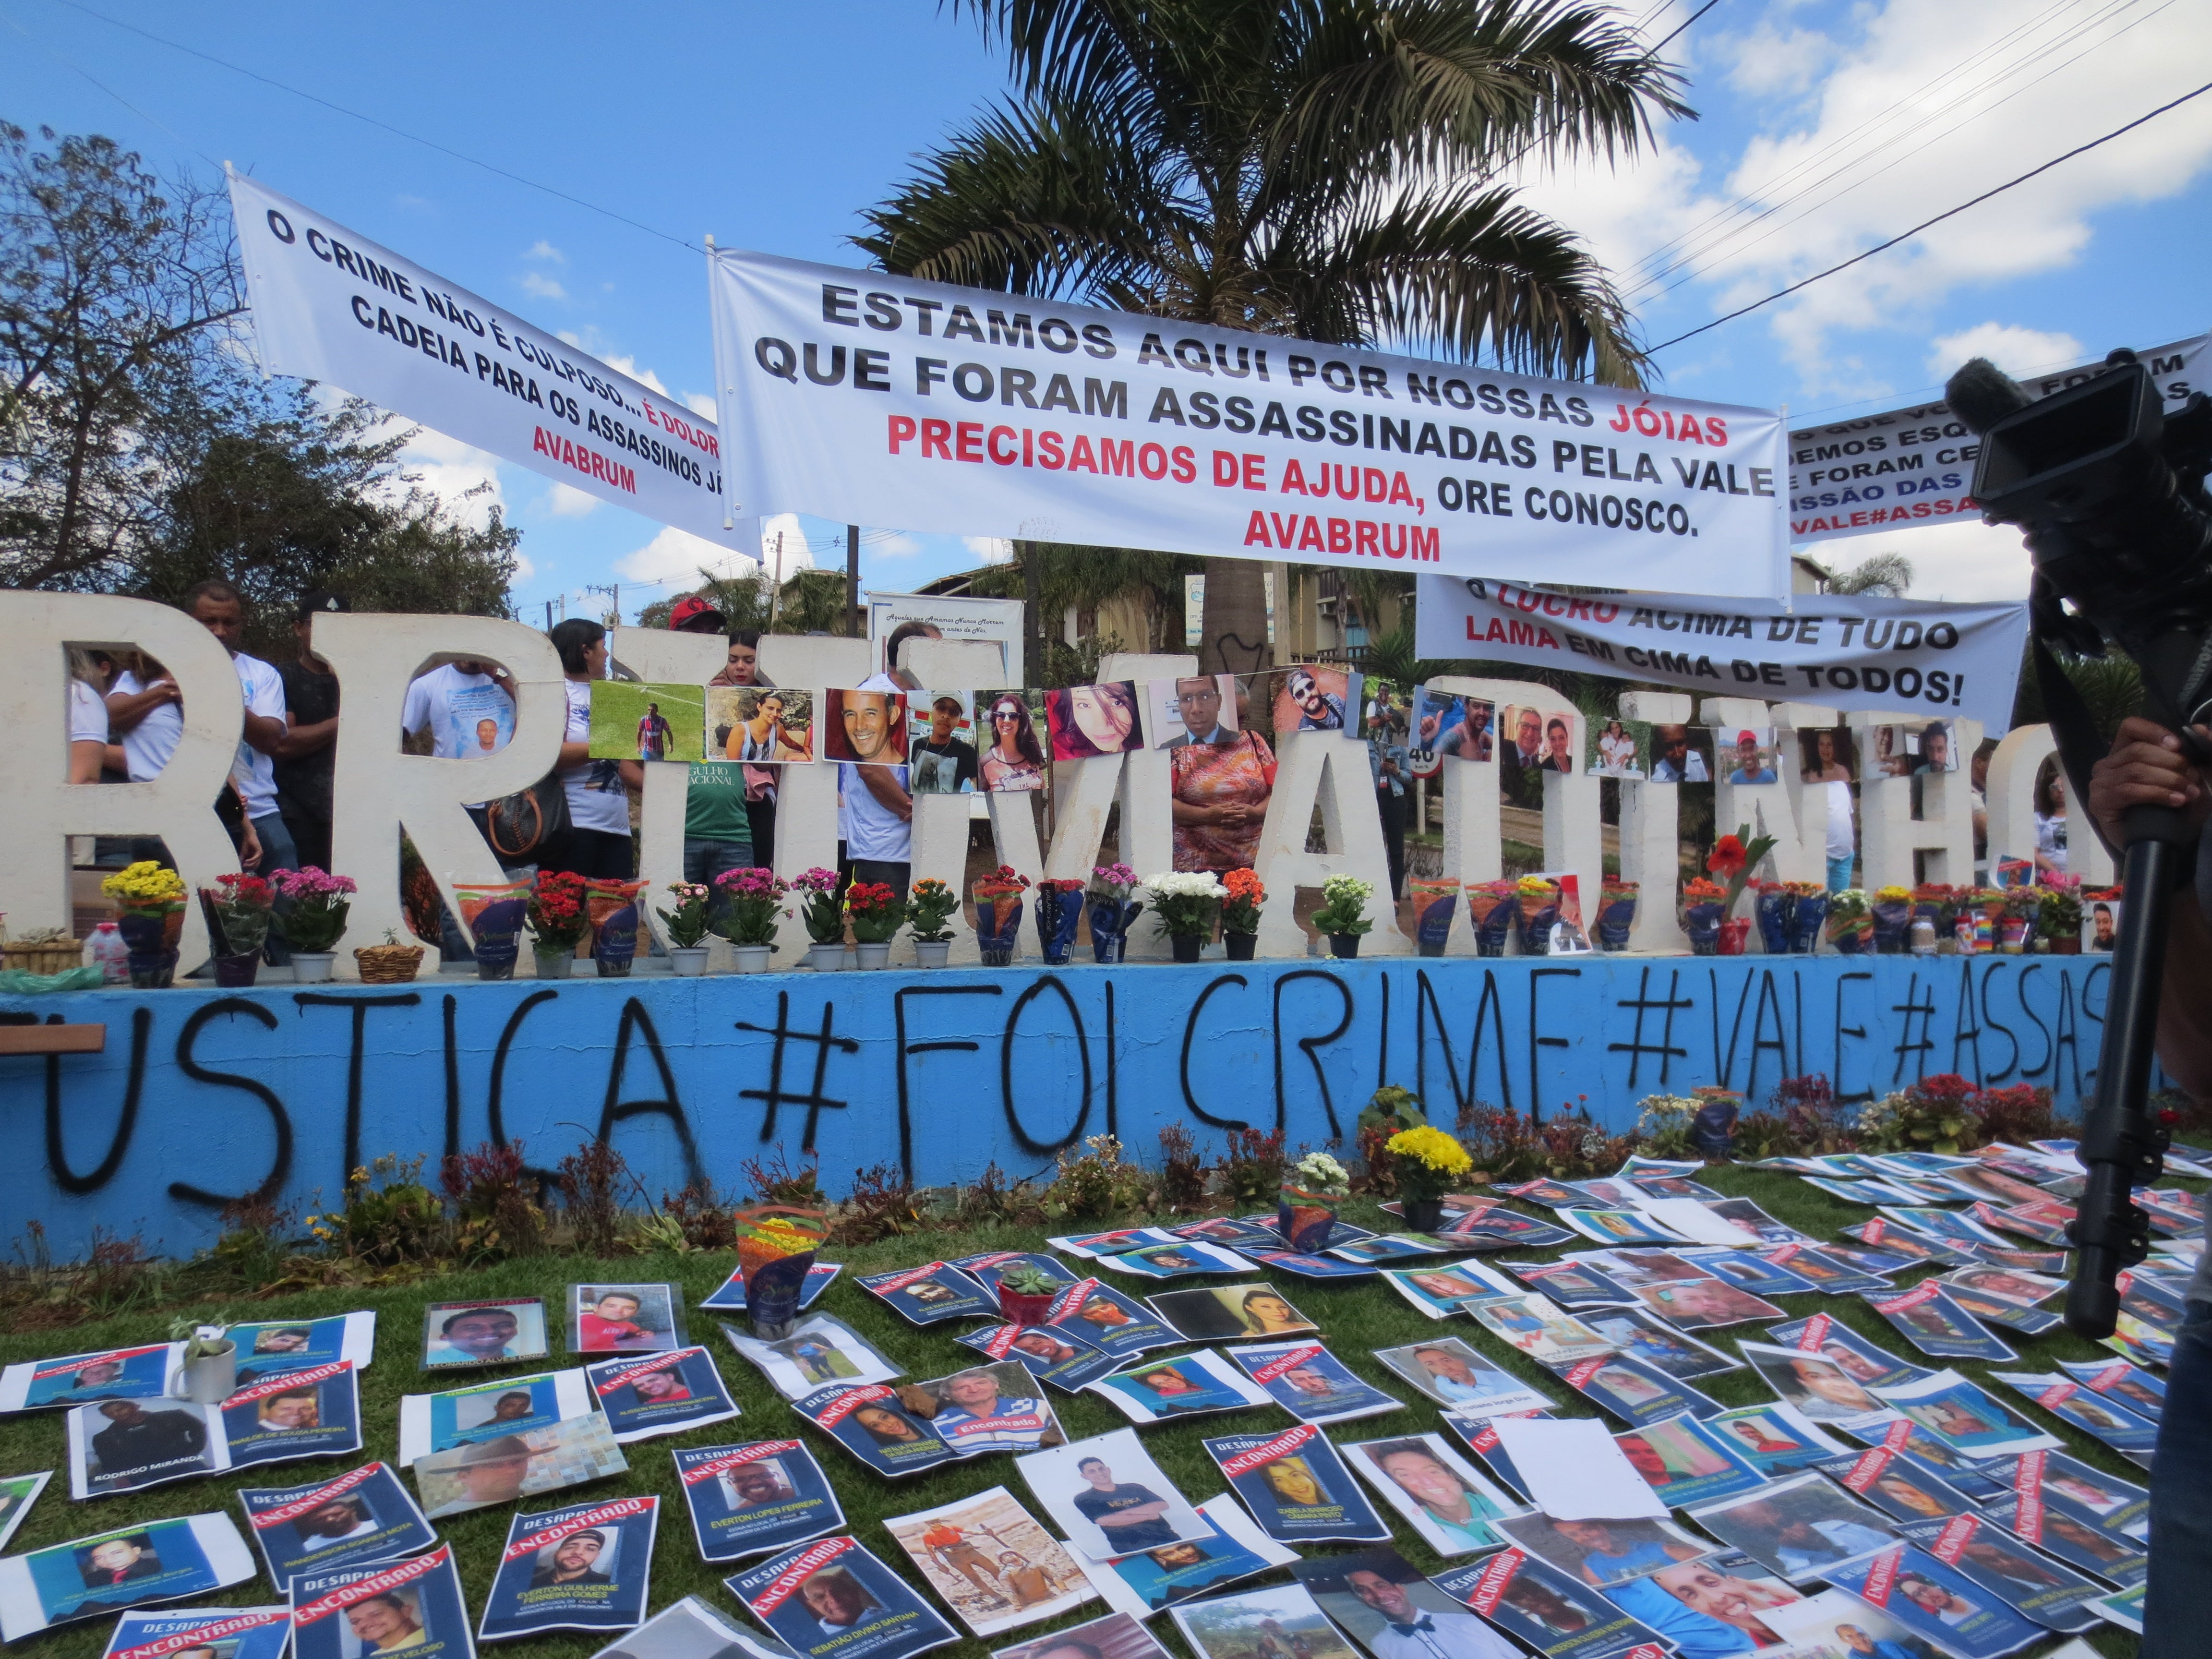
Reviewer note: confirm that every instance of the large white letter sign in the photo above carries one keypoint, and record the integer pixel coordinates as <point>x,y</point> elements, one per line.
<point>45,809</point>
<point>330,305</point>
<point>875,399</point>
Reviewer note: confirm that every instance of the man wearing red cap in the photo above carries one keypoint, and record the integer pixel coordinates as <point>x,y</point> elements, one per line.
<point>1751,766</point>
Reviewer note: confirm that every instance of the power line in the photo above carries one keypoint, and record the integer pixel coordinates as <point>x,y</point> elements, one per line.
<point>371,120</point>
<point>2079,150</point>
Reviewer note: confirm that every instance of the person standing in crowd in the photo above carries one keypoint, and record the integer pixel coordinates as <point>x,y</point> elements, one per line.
<point>718,832</point>
<point>220,608</point>
<point>88,717</point>
<point>2050,820</point>
<point>306,759</point>
<point>875,804</point>
<point>597,844</point>
<point>1829,761</point>
<point>1386,762</point>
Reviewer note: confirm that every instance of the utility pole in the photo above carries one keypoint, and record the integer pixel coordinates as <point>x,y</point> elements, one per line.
<point>614,595</point>
<point>776,595</point>
<point>853,581</point>
<point>548,616</point>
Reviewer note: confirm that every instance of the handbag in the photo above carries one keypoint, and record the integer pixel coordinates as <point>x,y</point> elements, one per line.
<point>521,826</point>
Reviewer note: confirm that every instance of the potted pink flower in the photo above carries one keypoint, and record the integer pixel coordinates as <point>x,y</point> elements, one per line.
<point>314,919</point>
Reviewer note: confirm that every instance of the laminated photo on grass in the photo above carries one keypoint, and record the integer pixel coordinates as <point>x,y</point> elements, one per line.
<point>660,1394</point>
<point>2073,1535</point>
<point>1144,1582</point>
<point>1450,1371</point>
<point>1176,1259</point>
<point>869,1422</point>
<point>1117,1635</point>
<point>363,1516</point>
<point>1114,1324</point>
<point>1539,1606</point>
<point>1704,1304</point>
<point>1194,1385</point>
<point>1481,1437</point>
<point>2137,1390</point>
<point>266,1348</point>
<point>202,1633</point>
<point>1862,1361</point>
<point>1303,1267</point>
<point>1453,1509</point>
<point>350,1613</point>
<point>930,1293</point>
<point>821,1351</point>
<point>1604,1553</point>
<point>755,1500</point>
<point>1570,1284</point>
<point>1311,1383</point>
<point>1379,1247</point>
<point>1823,1269</point>
<point>1642,1336</point>
<point>123,1446</point>
<point>985,1408</point>
<point>1632,1391</point>
<point>1226,1313</point>
<point>836,1598</point>
<point>1817,1386</point>
<point>1440,1292</point>
<point>625,1318</point>
<point>1895,1485</point>
<point>1982,1482</point>
<point>458,1334</point>
<point>1054,1355</point>
<point>1484,1224</point>
<point>140,1373</point>
<point>17,1493</point>
<point>586,1567</point>
<point>2100,1418</point>
<point>147,1561</point>
<point>1295,1485</point>
<point>483,1473</point>
<point>1774,1437</point>
<point>1532,1326</point>
<point>1930,1318</point>
<point>1961,1416</point>
<point>1752,1273</point>
<point>1902,1245</point>
<point>1108,1496</point>
<point>439,1422</point>
<point>990,1561</point>
<point>729,1296</point>
<point>1998,1312</point>
<point>1937,1603</point>
<point>1617,1227</point>
<point>1804,1527</point>
<point>1093,1246</point>
<point>1686,1461</point>
<point>1278,1618</point>
<point>1383,1603</point>
<point>1991,1558</point>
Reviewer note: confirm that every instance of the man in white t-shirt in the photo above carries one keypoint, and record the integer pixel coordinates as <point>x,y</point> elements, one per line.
<point>220,608</point>
<point>877,809</point>
<point>467,707</point>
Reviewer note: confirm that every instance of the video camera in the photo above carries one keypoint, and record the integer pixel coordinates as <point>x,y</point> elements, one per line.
<point>2110,491</point>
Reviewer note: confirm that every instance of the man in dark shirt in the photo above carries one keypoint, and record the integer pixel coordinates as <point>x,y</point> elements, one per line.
<point>951,767</point>
<point>305,756</point>
<point>1130,1515</point>
<point>137,1440</point>
<point>115,1561</point>
<point>572,1562</point>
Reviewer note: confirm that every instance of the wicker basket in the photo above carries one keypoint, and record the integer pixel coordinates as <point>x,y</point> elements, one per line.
<point>58,957</point>
<point>388,964</point>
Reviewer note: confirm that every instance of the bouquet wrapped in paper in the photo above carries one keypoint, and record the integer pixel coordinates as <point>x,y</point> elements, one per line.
<point>1538,899</point>
<point>1491,909</point>
<point>1435,900</point>
<point>1893,915</point>
<point>1616,912</point>
<point>612,906</point>
<point>1702,904</point>
<point>999,915</point>
<point>1110,911</point>
<point>1850,922</point>
<point>1306,1201</point>
<point>1806,915</point>
<point>1059,909</point>
<point>1774,907</point>
<point>493,911</point>
<point>776,1245</point>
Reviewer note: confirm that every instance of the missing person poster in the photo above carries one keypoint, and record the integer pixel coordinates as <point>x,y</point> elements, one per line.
<point>990,1561</point>
<point>660,1394</point>
<point>149,1561</point>
<point>1145,1582</point>
<point>821,1351</point>
<point>689,1629</point>
<point>1111,1323</point>
<point>140,1373</point>
<point>1296,1486</point>
<point>1311,1383</point>
<point>625,1318</point>
<point>459,1334</point>
<point>1055,1355</point>
<point>355,1612</point>
<point>269,1346</point>
<point>931,1293</point>
<point>869,1422</point>
<point>835,1598</point>
<point>1537,1604</point>
<point>484,1411</point>
<point>202,1633</point>
<point>483,1473</point>
<point>17,1493</point>
<point>363,1516</point>
<point>1194,1385</point>
<point>754,1499</point>
<point>586,1567</point>
<point>122,1445</point>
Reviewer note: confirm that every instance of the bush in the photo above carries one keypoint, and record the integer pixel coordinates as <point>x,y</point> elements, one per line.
<point>389,1218</point>
<point>495,1201</point>
<point>773,1181</point>
<point>1381,1179</point>
<point>1099,1183</point>
<point>1935,1114</point>
<point>1183,1171</point>
<point>991,1199</point>
<point>592,1179</point>
<point>701,1217</point>
<point>2020,1114</point>
<point>882,1206</point>
<point>1663,1124</point>
<point>1252,1166</point>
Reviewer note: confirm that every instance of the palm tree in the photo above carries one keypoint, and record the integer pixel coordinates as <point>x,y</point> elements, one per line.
<point>1883,577</point>
<point>1324,169</point>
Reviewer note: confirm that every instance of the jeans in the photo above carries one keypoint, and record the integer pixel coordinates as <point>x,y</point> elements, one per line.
<point>2174,1625</point>
<point>704,860</point>
<point>1840,873</point>
<point>277,853</point>
<point>760,816</point>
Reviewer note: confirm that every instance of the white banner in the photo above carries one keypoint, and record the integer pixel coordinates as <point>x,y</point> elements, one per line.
<point>871,399</point>
<point>1914,467</point>
<point>1851,654</point>
<point>331,305</point>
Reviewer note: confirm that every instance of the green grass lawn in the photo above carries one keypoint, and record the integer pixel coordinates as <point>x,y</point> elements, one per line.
<point>618,705</point>
<point>1356,1317</point>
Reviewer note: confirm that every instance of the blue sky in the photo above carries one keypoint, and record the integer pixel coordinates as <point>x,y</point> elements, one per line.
<point>1824,128</point>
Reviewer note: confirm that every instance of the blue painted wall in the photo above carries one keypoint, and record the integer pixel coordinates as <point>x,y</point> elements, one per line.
<point>203,1095</point>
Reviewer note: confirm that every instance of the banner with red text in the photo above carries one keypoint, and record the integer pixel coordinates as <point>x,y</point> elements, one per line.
<point>1880,655</point>
<point>873,399</point>
<point>334,306</point>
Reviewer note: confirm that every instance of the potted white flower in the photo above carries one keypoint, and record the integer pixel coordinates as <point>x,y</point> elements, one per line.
<point>1186,904</point>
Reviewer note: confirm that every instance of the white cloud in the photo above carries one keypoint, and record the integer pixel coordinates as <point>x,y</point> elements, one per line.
<point>2017,351</point>
<point>525,568</point>
<point>644,377</point>
<point>675,556</point>
<point>701,402</point>
<point>784,545</point>
<point>466,479</point>
<point>896,546</point>
<point>1768,61</point>
<point>992,550</point>
<point>542,249</point>
<point>1957,560</point>
<point>539,286</point>
<point>566,502</point>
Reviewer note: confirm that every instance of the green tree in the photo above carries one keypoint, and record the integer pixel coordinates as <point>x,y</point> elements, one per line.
<point>1323,168</point>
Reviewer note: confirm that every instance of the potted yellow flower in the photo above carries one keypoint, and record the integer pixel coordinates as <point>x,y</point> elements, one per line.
<point>1427,1162</point>
<point>151,920</point>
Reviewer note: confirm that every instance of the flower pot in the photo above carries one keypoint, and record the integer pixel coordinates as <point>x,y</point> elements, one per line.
<point>1422,1215</point>
<point>874,953</point>
<point>1807,922</point>
<point>611,967</point>
<point>2064,945</point>
<point>613,908</point>
<point>555,964</point>
<point>1017,1309</point>
<point>932,952</point>
<point>1240,946</point>
<point>1734,934</point>
<point>1344,945</point>
<point>494,915</point>
<point>1109,927</point>
<point>687,961</point>
<point>1186,946</point>
<point>1435,902</point>
<point>999,927</point>
<point>1616,916</point>
<point>1702,921</point>
<point>210,1379</point>
<point>234,973</point>
<point>1305,1218</point>
<point>1891,918</point>
<point>1490,914</point>
<point>149,937</point>
<point>487,968</point>
<point>826,958</point>
<point>1538,911</point>
<point>1058,915</point>
<point>752,958</point>
<point>311,966</point>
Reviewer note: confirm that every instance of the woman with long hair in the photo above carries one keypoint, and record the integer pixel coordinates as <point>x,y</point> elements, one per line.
<point>597,843</point>
<point>1265,1314</point>
<point>2050,819</point>
<point>1015,761</point>
<point>1452,1506</point>
<point>1090,720</point>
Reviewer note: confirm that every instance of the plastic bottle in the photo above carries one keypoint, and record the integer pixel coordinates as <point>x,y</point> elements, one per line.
<point>111,954</point>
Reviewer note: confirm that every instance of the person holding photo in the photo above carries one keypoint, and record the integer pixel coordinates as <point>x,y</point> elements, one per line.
<point>1014,762</point>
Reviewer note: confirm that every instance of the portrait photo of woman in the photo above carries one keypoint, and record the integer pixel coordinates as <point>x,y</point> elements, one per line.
<point>1013,760</point>
<point>1087,721</point>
